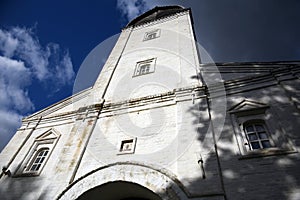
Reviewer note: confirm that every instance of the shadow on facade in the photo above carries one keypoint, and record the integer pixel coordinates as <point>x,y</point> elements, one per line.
<point>254,177</point>
<point>23,188</point>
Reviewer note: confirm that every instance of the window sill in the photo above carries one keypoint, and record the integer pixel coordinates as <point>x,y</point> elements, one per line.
<point>25,175</point>
<point>266,153</point>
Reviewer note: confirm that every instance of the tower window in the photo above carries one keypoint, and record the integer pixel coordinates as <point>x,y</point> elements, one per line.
<point>257,135</point>
<point>152,35</point>
<point>145,67</point>
<point>127,146</point>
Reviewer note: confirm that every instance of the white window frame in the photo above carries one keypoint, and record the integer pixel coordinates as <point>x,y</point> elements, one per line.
<point>257,133</point>
<point>39,159</point>
<point>47,140</point>
<point>151,68</point>
<point>149,35</point>
<point>250,111</point>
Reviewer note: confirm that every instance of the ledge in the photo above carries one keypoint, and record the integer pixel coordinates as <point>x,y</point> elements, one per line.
<point>266,153</point>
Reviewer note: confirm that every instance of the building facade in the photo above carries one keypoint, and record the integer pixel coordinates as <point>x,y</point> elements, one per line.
<point>158,125</point>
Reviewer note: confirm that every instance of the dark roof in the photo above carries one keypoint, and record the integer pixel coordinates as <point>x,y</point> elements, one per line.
<point>155,13</point>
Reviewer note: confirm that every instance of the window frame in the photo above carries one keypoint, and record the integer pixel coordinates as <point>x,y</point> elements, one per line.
<point>123,142</point>
<point>151,62</point>
<point>253,123</point>
<point>147,34</point>
<point>47,140</point>
<point>250,111</point>
<point>34,161</point>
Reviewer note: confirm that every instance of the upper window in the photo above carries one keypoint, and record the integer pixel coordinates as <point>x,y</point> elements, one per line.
<point>257,135</point>
<point>152,35</point>
<point>145,67</point>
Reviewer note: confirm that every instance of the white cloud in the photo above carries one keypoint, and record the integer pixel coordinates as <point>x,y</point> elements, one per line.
<point>30,50</point>
<point>42,61</point>
<point>14,78</point>
<point>24,60</point>
<point>8,44</point>
<point>132,8</point>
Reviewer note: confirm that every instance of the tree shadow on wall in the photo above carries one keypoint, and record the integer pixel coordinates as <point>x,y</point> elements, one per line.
<point>233,176</point>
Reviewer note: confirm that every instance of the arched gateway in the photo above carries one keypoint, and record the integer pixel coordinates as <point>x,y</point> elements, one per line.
<point>119,190</point>
<point>124,181</point>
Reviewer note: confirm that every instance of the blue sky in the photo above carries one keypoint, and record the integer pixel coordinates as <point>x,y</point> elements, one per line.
<point>43,43</point>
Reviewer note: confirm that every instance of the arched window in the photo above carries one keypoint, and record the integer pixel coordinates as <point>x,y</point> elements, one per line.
<point>38,159</point>
<point>257,135</point>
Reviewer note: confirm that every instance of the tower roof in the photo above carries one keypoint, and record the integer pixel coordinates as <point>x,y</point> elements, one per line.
<point>155,13</point>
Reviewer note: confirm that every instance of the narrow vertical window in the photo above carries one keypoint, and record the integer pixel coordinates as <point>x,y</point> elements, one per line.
<point>38,159</point>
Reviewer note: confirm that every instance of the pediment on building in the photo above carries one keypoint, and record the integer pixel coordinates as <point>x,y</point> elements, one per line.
<point>68,105</point>
<point>48,135</point>
<point>247,105</point>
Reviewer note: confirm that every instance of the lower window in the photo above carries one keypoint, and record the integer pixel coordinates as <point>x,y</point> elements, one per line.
<point>38,160</point>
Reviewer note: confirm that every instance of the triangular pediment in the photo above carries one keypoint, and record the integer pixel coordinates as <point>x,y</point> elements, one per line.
<point>50,134</point>
<point>247,105</point>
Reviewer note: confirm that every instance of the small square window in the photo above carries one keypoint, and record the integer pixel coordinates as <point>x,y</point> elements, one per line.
<point>152,35</point>
<point>127,146</point>
<point>145,67</point>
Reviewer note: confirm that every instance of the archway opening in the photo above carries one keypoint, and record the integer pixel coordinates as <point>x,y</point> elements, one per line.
<point>119,190</point>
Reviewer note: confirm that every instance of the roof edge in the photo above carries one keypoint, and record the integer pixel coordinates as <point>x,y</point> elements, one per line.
<point>151,11</point>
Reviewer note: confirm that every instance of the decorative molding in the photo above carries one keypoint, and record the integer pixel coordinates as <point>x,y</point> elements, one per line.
<point>48,135</point>
<point>247,105</point>
<point>160,20</point>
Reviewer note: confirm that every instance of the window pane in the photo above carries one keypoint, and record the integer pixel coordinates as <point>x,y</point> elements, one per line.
<point>263,135</point>
<point>266,144</point>
<point>249,129</point>
<point>255,145</point>
<point>259,128</point>
<point>252,136</point>
<point>38,167</point>
<point>145,68</point>
<point>37,160</point>
<point>151,35</point>
<point>33,168</point>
